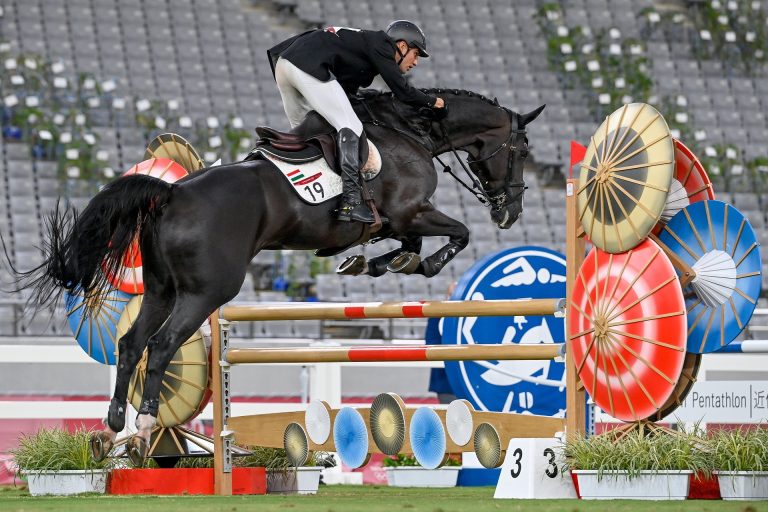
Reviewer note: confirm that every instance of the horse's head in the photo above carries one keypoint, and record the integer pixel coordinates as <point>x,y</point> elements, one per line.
<point>495,139</point>
<point>498,164</point>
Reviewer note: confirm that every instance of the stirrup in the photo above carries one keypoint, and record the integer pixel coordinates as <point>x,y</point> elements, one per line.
<point>358,213</point>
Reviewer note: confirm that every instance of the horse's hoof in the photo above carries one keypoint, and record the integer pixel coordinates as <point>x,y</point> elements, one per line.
<point>353,266</point>
<point>137,450</point>
<point>405,263</point>
<point>101,443</point>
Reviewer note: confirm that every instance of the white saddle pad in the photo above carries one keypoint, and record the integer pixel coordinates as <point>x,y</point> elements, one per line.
<point>315,182</point>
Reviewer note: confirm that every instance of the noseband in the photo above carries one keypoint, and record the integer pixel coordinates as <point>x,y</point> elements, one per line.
<point>498,198</point>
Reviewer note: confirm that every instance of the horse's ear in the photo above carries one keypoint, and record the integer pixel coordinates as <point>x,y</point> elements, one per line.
<point>530,116</point>
<point>496,101</point>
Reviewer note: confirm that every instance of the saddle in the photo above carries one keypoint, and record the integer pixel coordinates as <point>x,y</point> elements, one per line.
<point>311,141</point>
<point>297,147</point>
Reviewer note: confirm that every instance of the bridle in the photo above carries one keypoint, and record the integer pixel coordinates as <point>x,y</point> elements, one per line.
<point>497,198</point>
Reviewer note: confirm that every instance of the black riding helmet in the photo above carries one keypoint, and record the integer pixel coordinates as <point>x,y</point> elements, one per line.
<point>404,30</point>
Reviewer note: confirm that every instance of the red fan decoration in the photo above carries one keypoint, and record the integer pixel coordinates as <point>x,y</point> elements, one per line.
<point>628,320</point>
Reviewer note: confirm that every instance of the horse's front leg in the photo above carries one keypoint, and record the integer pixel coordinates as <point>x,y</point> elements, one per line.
<point>436,223</point>
<point>375,267</point>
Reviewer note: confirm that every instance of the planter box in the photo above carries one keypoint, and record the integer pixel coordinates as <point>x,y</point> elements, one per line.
<point>411,476</point>
<point>743,485</point>
<point>176,481</point>
<point>66,482</point>
<point>304,480</point>
<point>649,485</point>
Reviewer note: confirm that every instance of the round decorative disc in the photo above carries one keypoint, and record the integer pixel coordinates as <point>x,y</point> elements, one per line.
<point>175,147</point>
<point>625,177</point>
<point>718,243</point>
<point>458,421</point>
<point>627,316</point>
<point>488,446</point>
<point>317,418</point>
<point>350,436</point>
<point>296,445</point>
<point>387,421</point>
<point>131,278</point>
<point>94,326</point>
<point>427,437</point>
<point>689,185</point>
<point>684,385</point>
<point>185,389</point>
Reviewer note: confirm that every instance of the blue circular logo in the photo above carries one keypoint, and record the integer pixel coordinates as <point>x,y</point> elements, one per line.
<point>527,387</point>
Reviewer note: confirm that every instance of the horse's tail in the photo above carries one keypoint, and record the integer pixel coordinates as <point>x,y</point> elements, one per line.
<point>81,250</point>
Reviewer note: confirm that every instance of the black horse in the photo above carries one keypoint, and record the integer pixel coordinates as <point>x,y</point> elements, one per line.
<point>197,236</point>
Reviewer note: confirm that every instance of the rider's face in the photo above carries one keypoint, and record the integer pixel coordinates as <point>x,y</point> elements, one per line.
<point>411,59</point>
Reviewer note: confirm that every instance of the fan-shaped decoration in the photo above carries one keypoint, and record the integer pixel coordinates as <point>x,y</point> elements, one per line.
<point>628,318</point>
<point>719,245</point>
<point>175,147</point>
<point>130,278</point>
<point>689,185</point>
<point>317,418</point>
<point>625,177</point>
<point>387,421</point>
<point>458,421</point>
<point>296,444</point>
<point>94,322</point>
<point>427,437</point>
<point>351,437</point>
<point>683,387</point>
<point>184,391</point>
<point>488,446</point>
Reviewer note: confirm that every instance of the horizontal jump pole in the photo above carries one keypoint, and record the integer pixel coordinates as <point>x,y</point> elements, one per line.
<point>426,309</point>
<point>503,352</point>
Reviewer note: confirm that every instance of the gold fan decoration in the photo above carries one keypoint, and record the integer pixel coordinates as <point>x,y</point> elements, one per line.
<point>488,446</point>
<point>296,444</point>
<point>175,147</point>
<point>625,177</point>
<point>185,384</point>
<point>387,423</point>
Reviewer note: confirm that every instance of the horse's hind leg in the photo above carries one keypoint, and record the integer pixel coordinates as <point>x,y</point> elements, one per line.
<point>154,310</point>
<point>189,313</point>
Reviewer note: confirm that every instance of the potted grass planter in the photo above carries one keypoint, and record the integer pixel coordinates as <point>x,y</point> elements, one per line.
<point>405,471</point>
<point>637,464</point>
<point>55,461</point>
<point>282,478</point>
<point>740,461</point>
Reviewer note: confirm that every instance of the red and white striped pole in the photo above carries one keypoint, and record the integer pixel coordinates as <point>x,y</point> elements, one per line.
<point>426,309</point>
<point>395,353</point>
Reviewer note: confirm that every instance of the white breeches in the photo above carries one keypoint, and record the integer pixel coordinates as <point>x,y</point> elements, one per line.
<point>302,93</point>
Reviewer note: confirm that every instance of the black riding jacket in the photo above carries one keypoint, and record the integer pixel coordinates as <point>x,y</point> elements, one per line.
<point>351,56</point>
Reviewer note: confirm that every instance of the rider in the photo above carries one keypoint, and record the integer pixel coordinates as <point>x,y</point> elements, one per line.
<point>316,70</point>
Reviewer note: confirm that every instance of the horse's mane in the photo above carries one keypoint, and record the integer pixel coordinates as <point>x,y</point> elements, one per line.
<point>373,94</point>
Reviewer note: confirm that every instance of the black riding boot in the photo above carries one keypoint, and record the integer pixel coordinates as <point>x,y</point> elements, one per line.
<point>352,206</point>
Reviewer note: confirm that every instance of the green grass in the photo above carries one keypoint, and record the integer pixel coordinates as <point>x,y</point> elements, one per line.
<point>355,499</point>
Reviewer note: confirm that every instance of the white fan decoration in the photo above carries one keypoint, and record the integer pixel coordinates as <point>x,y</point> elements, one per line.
<point>458,422</point>
<point>715,278</point>
<point>676,200</point>
<point>317,419</point>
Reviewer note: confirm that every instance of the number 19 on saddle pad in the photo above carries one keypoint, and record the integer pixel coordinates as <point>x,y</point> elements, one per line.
<point>314,181</point>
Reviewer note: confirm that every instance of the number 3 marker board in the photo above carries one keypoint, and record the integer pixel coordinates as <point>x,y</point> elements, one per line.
<point>531,470</point>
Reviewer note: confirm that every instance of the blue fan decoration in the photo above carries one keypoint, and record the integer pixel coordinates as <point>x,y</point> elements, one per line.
<point>720,246</point>
<point>94,327</point>
<point>427,437</point>
<point>350,436</point>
